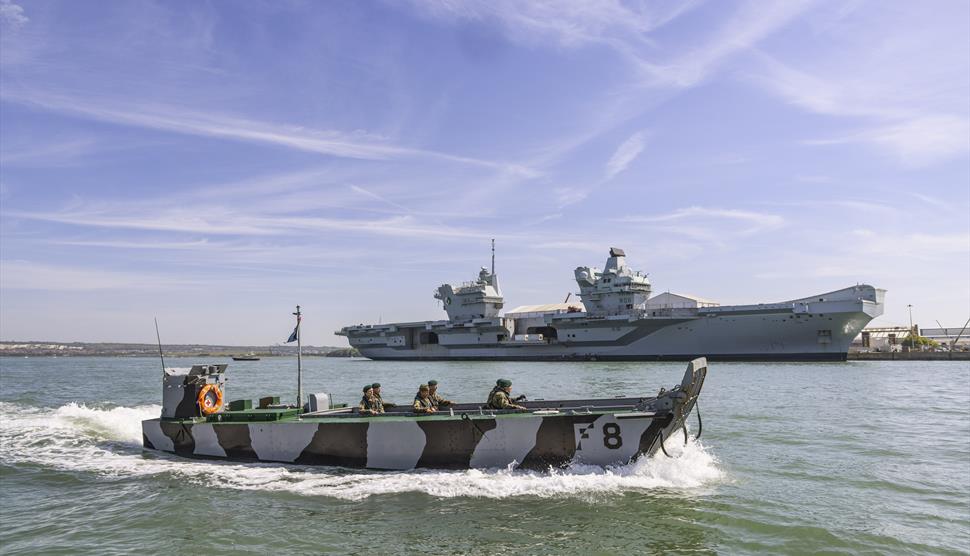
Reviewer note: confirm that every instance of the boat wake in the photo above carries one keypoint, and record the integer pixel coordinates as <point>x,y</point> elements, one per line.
<point>107,441</point>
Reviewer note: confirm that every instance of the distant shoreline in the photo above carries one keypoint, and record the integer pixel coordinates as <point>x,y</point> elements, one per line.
<point>106,349</point>
<point>82,349</point>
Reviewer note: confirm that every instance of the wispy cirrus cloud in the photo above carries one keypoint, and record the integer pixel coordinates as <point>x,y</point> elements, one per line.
<point>50,154</point>
<point>562,22</point>
<point>626,153</point>
<point>622,157</point>
<point>917,141</point>
<point>71,151</point>
<point>31,275</point>
<point>816,93</point>
<point>259,254</point>
<point>884,248</point>
<point>371,195</point>
<point>711,223</point>
<point>896,124</point>
<point>661,70</point>
<point>209,221</point>
<point>867,207</point>
<point>229,222</point>
<point>139,245</point>
<point>626,28</point>
<point>750,24</point>
<point>758,219</point>
<point>939,204</point>
<point>918,116</point>
<point>918,245</point>
<point>210,124</point>
<point>566,196</point>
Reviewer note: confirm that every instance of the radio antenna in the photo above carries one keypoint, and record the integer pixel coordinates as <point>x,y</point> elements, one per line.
<point>159,337</point>
<point>493,256</point>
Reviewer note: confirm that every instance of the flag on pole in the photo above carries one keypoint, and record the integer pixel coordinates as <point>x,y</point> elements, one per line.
<point>296,331</point>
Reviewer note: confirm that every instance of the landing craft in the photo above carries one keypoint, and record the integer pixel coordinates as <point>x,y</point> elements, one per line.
<point>619,320</point>
<point>195,423</point>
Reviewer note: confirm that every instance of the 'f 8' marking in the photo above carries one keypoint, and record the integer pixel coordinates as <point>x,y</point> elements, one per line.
<point>611,436</point>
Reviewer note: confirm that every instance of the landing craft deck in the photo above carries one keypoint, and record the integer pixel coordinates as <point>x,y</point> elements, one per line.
<point>546,433</point>
<point>618,320</point>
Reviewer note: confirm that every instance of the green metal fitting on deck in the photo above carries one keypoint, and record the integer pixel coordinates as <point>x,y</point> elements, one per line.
<point>240,405</point>
<point>253,415</point>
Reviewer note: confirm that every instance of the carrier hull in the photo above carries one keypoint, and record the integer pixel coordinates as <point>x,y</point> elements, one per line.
<point>737,357</point>
<point>819,328</point>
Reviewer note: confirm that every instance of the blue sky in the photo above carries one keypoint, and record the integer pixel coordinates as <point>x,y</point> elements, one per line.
<point>215,163</point>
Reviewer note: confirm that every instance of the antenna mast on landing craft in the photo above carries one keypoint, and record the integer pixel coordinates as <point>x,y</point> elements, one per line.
<point>159,337</point>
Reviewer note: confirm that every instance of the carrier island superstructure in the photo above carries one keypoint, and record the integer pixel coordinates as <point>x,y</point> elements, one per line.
<point>617,319</point>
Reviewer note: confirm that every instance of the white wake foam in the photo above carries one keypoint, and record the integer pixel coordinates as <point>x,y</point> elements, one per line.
<point>77,438</point>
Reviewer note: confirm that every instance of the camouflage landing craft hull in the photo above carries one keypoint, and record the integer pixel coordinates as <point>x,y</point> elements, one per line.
<point>547,433</point>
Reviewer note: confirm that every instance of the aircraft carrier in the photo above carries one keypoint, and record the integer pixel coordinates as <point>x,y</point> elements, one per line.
<point>617,319</point>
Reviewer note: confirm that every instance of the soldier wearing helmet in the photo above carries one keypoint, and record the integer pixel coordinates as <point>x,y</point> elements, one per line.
<point>368,405</point>
<point>501,396</point>
<point>436,398</point>
<point>422,401</point>
<point>379,403</point>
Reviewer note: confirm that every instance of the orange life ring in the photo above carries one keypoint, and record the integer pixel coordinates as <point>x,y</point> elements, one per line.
<point>207,404</point>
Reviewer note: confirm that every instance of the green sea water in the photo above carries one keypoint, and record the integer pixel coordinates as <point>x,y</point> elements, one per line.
<point>836,458</point>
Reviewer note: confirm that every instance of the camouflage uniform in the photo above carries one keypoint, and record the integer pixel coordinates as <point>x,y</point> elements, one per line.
<point>437,400</point>
<point>380,403</point>
<point>488,399</point>
<point>500,400</point>
<point>422,405</point>
<point>367,405</point>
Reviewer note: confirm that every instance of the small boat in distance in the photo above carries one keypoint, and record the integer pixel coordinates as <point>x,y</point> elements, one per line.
<point>247,357</point>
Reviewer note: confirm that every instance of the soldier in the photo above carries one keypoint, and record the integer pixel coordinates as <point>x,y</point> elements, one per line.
<point>422,401</point>
<point>436,398</point>
<point>380,403</point>
<point>496,388</point>
<point>367,405</point>
<point>500,397</point>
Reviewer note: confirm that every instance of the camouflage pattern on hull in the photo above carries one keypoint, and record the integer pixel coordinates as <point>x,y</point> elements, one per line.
<point>596,432</point>
<point>480,442</point>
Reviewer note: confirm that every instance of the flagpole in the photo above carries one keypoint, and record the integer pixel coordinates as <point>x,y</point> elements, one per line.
<point>299,361</point>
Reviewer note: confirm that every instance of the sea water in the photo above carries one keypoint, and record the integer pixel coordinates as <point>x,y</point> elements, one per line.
<point>857,457</point>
